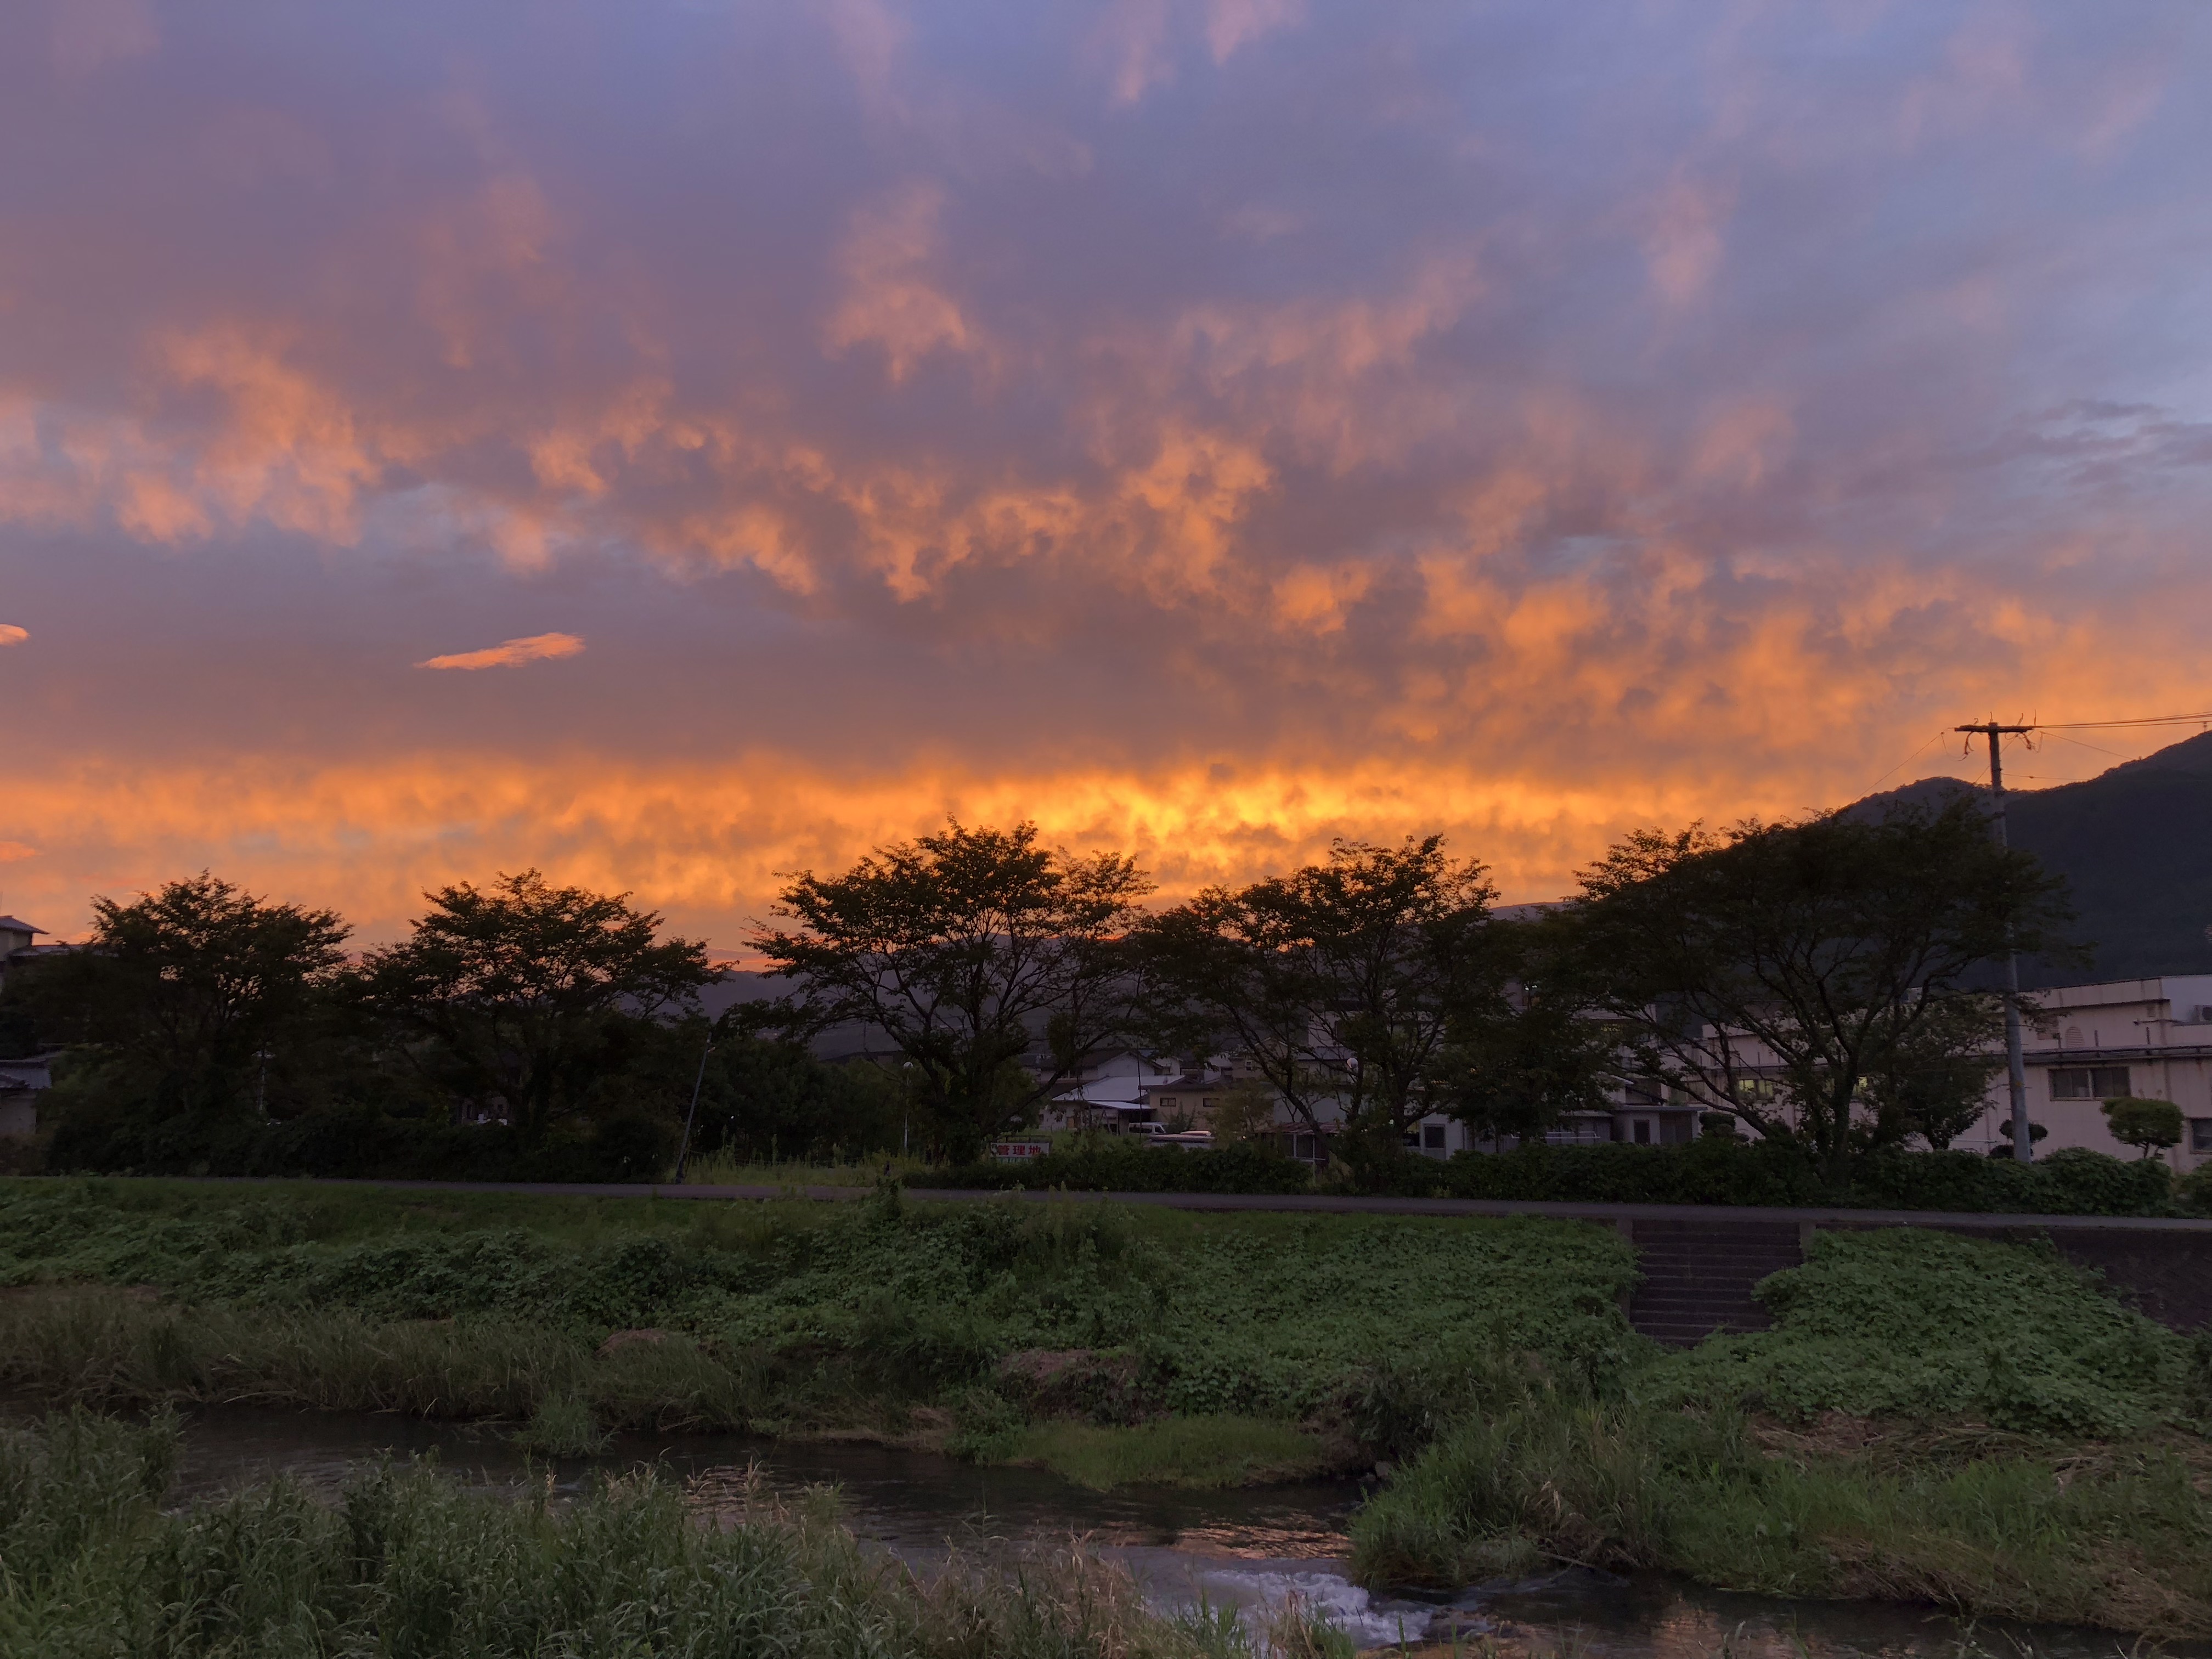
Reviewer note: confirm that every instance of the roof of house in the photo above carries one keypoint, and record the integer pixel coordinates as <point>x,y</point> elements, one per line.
<point>19,926</point>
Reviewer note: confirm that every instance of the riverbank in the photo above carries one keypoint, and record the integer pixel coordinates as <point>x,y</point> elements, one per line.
<point>404,1561</point>
<point>1922,1398</point>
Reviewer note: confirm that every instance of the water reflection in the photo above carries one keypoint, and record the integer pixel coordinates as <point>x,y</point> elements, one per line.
<point>1249,1549</point>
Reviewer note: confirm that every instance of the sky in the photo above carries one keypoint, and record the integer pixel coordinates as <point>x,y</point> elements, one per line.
<point>674,444</point>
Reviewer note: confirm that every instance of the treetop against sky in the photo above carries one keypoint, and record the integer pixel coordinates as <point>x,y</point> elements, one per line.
<point>672,444</point>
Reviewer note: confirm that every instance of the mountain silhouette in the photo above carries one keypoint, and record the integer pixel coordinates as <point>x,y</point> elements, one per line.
<point>2135,845</point>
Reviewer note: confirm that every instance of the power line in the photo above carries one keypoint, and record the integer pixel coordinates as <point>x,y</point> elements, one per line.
<point>2147,719</point>
<point>2078,744</point>
<point>1937,736</point>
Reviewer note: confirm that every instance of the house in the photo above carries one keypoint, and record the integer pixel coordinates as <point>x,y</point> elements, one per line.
<point>19,944</point>
<point>21,1082</point>
<point>1110,1090</point>
<point>27,1074</point>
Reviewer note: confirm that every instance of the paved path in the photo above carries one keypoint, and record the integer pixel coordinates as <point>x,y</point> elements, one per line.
<point>1322,1203</point>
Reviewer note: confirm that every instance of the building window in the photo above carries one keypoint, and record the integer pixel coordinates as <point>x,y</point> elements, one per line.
<point>2089,1082</point>
<point>2200,1134</point>
<point>1643,1132</point>
<point>1432,1137</point>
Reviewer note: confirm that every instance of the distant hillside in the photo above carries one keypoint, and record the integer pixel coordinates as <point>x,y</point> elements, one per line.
<point>2134,843</point>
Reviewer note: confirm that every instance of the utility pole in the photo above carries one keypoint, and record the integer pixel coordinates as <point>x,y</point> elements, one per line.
<point>2023,1146</point>
<point>683,1153</point>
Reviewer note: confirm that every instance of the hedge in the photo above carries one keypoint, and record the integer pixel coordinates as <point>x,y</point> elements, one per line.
<point>359,1143</point>
<point>1135,1170</point>
<point>1706,1171</point>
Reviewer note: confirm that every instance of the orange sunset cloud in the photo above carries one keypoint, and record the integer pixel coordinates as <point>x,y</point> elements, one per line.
<point>1204,430</point>
<point>511,654</point>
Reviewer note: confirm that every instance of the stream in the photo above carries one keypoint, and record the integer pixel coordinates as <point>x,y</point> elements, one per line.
<point>1248,1548</point>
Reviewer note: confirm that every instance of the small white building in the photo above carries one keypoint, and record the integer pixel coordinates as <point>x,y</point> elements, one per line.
<point>21,1082</point>
<point>24,1079</point>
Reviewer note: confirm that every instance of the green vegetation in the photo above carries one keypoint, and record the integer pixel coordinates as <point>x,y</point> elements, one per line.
<point>2119,1538</point>
<point>1907,1323</point>
<point>915,1322</point>
<point>406,1563</point>
<point>2149,1125</point>
<point>1173,1451</point>
<point>1931,1418</point>
<point>1974,1423</point>
<point>1716,1170</point>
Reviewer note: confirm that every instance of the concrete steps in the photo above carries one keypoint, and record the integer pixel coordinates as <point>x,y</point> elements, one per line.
<point>1697,1275</point>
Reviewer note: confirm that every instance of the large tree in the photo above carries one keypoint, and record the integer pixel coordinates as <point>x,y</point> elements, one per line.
<point>191,986</point>
<point>1344,983</point>
<point>1819,981</point>
<point>522,997</point>
<point>973,951</point>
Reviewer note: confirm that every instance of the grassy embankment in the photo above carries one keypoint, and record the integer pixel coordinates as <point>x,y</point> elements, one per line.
<point>1972,1424</point>
<point>1113,1346</point>
<point>1934,1418</point>
<point>406,1563</point>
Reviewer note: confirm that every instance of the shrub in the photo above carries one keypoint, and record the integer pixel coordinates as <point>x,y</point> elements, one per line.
<point>1133,1169</point>
<point>1707,1170</point>
<point>359,1142</point>
<point>2193,1192</point>
<point>2151,1124</point>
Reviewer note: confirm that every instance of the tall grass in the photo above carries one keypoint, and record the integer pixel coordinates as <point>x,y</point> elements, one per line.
<point>406,1563</point>
<point>2116,1537</point>
<point>96,1347</point>
<point>1923,1422</point>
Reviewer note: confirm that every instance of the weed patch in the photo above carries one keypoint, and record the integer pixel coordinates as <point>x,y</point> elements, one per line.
<point>781,1317</point>
<point>1178,1451</point>
<point>1909,1322</point>
<point>406,1563</point>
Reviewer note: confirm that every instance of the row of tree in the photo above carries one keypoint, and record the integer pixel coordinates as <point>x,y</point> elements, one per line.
<point>1380,986</point>
<point>1368,990</point>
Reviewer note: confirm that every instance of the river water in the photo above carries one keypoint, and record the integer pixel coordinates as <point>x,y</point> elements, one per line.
<point>1249,1548</point>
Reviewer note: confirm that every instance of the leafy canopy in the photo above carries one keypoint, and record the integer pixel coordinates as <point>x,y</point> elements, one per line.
<point>1343,983</point>
<point>1835,958</point>
<point>2150,1126</point>
<point>524,995</point>
<point>968,949</point>
<point>189,984</point>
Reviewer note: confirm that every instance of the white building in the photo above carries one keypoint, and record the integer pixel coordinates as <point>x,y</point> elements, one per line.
<point>24,1079</point>
<point>2147,1037</point>
<point>2151,1039</point>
